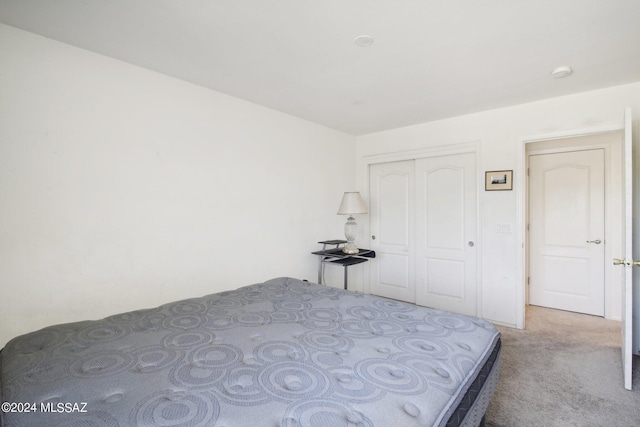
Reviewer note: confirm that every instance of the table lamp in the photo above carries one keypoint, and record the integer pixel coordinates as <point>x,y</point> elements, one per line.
<point>351,204</point>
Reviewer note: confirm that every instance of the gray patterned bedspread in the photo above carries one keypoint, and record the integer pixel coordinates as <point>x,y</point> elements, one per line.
<point>282,353</point>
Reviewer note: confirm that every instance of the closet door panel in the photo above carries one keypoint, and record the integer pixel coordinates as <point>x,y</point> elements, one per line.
<point>392,216</point>
<point>446,232</point>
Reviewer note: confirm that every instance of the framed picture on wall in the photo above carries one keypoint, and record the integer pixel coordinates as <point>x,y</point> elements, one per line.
<point>498,180</point>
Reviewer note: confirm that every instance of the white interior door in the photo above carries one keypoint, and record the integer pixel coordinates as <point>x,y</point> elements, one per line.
<point>566,231</point>
<point>392,223</point>
<point>627,314</point>
<point>446,229</point>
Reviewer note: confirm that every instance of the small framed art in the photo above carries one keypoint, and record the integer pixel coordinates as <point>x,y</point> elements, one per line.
<point>498,180</point>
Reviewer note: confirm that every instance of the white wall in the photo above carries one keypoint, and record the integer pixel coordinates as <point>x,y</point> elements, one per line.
<point>121,188</point>
<point>500,133</point>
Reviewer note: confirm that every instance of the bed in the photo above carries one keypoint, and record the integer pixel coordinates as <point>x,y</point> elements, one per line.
<point>283,353</point>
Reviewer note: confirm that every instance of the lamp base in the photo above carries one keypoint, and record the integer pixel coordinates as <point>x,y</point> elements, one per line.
<point>350,231</point>
<point>350,249</point>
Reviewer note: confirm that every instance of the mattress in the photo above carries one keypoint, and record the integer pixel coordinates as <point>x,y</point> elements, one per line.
<point>280,353</point>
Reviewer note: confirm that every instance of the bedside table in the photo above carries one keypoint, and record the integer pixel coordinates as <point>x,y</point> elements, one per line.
<point>335,255</point>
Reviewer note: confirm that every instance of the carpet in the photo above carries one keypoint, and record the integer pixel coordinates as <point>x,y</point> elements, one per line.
<point>564,369</point>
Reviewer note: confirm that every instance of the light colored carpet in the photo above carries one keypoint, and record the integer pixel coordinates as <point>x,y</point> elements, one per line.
<point>563,370</point>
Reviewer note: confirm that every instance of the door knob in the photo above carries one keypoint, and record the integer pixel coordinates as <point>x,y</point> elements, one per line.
<point>373,237</point>
<point>634,263</point>
<point>597,241</point>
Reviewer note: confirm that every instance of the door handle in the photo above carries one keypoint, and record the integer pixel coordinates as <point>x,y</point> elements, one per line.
<point>634,263</point>
<point>597,241</point>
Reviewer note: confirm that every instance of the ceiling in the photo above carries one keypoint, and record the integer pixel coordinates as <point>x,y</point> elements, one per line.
<point>430,59</point>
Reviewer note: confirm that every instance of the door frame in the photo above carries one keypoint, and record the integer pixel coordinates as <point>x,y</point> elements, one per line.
<point>436,151</point>
<point>555,140</point>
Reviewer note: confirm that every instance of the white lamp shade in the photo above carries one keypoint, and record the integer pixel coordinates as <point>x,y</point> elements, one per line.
<point>352,204</point>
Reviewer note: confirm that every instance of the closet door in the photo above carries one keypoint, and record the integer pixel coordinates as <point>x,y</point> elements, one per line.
<point>392,196</point>
<point>446,231</point>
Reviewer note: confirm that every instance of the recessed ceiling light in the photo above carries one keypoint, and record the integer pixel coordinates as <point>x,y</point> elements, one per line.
<point>560,72</point>
<point>363,41</point>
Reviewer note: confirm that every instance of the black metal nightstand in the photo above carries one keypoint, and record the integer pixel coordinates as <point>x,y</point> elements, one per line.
<point>335,255</point>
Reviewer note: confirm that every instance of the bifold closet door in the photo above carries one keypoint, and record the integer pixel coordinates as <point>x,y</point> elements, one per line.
<point>446,233</point>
